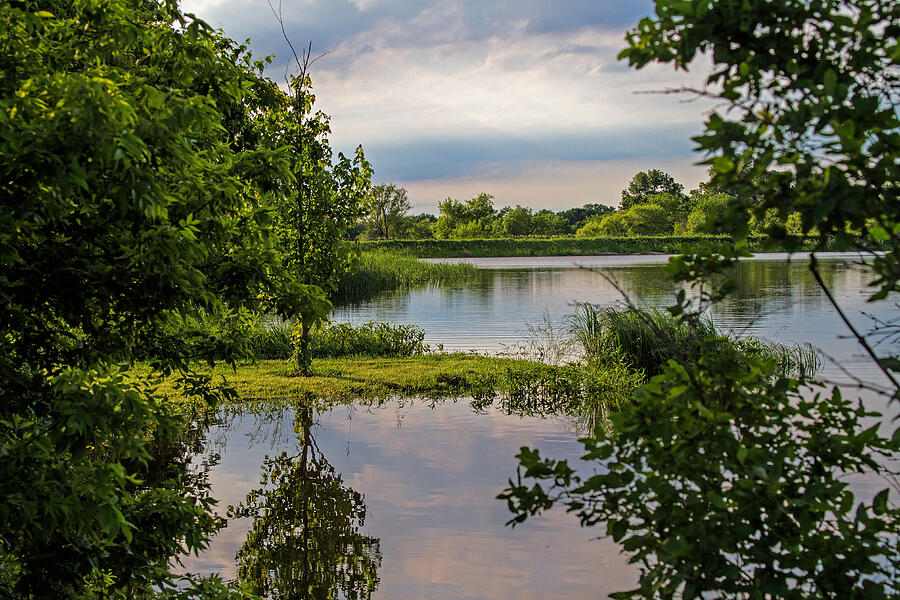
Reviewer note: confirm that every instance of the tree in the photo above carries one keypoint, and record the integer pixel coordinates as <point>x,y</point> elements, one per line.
<point>613,224</point>
<point>472,218</point>
<point>132,202</point>
<point>708,213</point>
<point>547,223</point>
<point>385,207</point>
<point>650,218</point>
<point>416,227</point>
<point>647,183</point>
<point>316,205</point>
<point>577,217</point>
<point>810,88</point>
<point>516,221</point>
<point>647,219</point>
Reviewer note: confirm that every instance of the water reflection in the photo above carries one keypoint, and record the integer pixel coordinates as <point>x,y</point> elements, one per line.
<point>305,541</point>
<point>430,471</point>
<point>430,526</point>
<point>776,299</point>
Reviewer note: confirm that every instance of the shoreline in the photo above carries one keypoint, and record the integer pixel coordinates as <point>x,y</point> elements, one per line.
<point>606,246</point>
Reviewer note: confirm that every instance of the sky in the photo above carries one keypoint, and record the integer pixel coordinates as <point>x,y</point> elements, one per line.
<point>522,99</point>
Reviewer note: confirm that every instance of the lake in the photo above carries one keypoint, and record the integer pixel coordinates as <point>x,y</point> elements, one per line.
<point>405,490</point>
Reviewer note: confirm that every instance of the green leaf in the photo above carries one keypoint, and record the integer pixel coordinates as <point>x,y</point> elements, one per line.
<point>722,164</point>
<point>830,82</point>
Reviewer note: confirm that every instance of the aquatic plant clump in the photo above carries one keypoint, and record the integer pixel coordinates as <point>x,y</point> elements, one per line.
<point>647,339</point>
<point>379,270</point>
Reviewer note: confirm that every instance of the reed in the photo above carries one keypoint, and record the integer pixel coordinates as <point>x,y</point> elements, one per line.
<point>379,269</point>
<point>272,340</point>
<point>647,339</point>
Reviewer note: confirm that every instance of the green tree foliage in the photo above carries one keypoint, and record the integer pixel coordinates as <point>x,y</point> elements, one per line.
<point>648,183</point>
<point>722,479</point>
<point>613,224</point>
<point>416,227</point>
<point>814,131</point>
<point>547,223</point>
<point>576,217</point>
<point>384,209</point>
<point>131,201</point>
<point>315,207</point>
<point>514,221</point>
<point>305,542</point>
<point>659,214</point>
<point>470,219</point>
<point>726,478</point>
<point>708,213</point>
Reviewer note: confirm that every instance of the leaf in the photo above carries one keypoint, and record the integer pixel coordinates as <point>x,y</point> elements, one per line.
<point>722,164</point>
<point>880,502</point>
<point>830,82</point>
<point>891,363</point>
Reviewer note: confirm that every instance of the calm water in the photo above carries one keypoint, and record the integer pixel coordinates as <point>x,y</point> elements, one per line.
<point>777,299</point>
<point>407,488</point>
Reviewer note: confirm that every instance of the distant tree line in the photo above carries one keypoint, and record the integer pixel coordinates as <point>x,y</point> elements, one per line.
<point>653,203</point>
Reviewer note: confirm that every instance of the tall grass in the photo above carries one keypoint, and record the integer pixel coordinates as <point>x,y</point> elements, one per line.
<point>647,339</point>
<point>570,246</point>
<point>272,340</point>
<point>380,269</point>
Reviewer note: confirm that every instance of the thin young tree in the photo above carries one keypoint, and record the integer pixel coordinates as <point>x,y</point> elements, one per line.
<point>315,206</point>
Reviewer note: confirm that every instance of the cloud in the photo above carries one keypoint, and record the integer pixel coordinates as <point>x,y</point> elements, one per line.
<point>440,90</point>
<point>416,159</point>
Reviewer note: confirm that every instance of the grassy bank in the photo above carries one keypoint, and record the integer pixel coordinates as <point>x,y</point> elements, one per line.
<point>530,387</point>
<point>570,246</point>
<point>389,269</point>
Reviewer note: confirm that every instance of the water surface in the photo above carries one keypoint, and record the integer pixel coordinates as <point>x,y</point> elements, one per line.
<point>409,486</point>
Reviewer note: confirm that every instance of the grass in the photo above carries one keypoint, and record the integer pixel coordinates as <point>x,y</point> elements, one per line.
<point>272,340</point>
<point>571,246</point>
<point>389,269</point>
<point>645,339</point>
<point>516,386</point>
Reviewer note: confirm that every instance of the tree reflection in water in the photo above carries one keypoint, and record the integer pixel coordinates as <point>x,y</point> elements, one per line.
<point>305,541</point>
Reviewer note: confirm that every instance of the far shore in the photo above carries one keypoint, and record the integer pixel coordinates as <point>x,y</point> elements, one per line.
<point>571,246</point>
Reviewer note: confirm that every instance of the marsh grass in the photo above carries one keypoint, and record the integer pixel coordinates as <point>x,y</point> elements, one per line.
<point>381,269</point>
<point>646,339</point>
<point>272,340</point>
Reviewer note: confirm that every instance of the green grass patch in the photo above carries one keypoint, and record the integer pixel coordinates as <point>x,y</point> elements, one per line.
<point>571,246</point>
<point>522,387</point>
<point>381,269</point>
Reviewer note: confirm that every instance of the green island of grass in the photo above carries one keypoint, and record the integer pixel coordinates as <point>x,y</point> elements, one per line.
<point>430,375</point>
